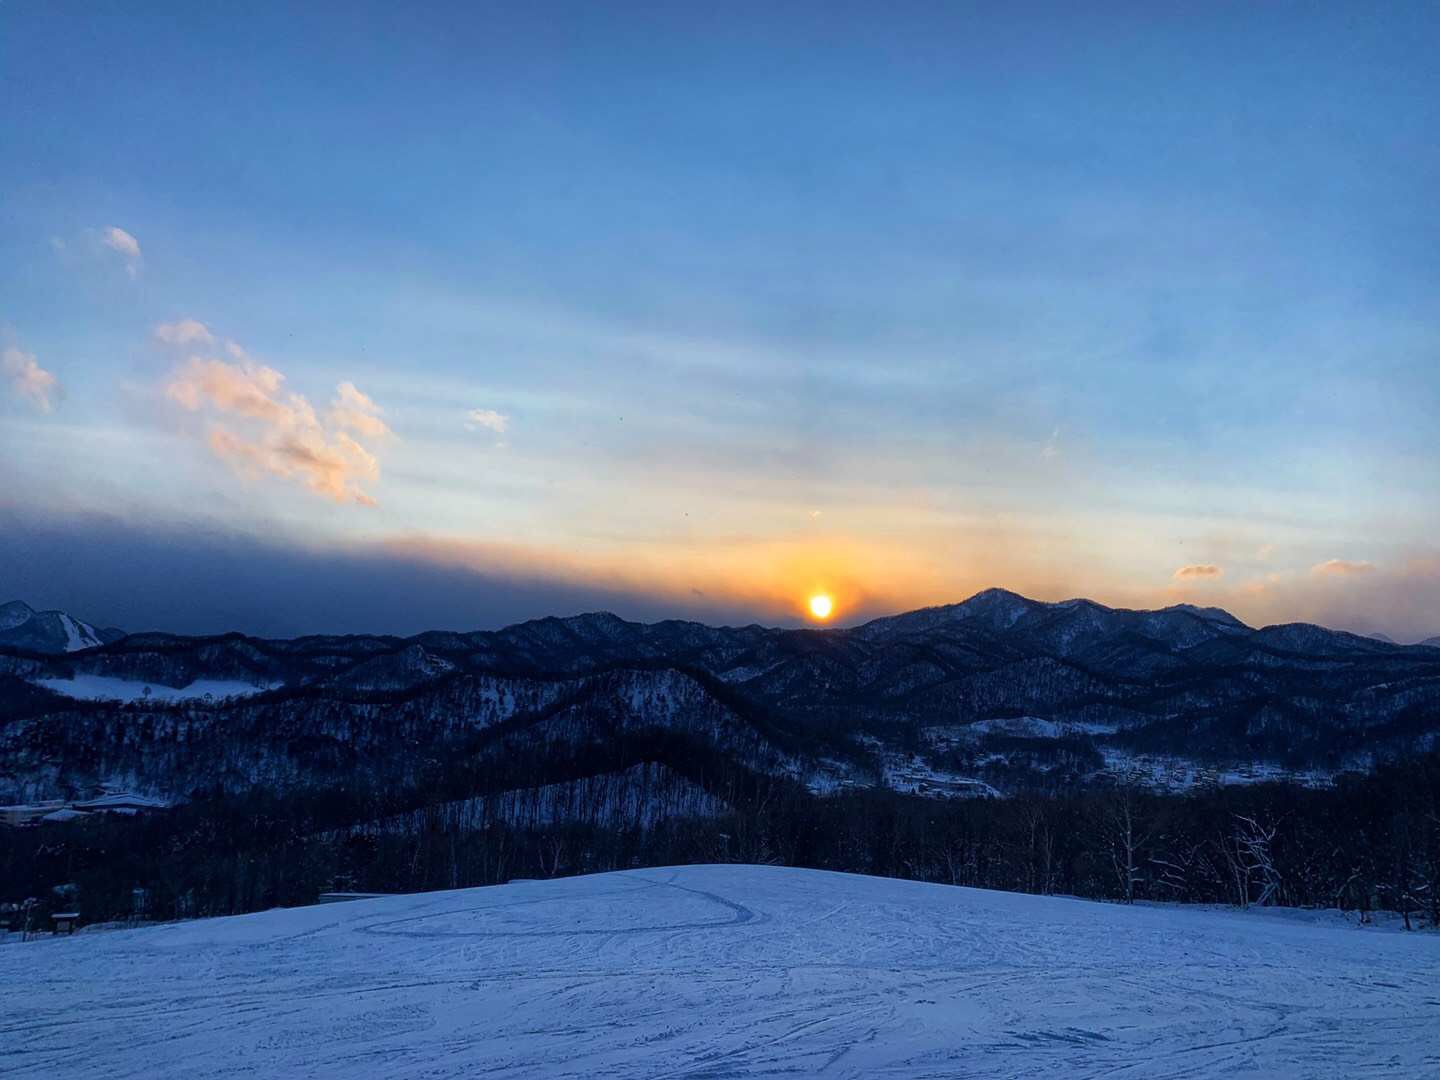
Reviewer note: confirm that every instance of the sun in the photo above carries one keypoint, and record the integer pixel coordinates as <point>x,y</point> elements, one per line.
<point>821,606</point>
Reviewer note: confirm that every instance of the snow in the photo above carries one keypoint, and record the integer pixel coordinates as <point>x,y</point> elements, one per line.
<point>642,796</point>
<point>1166,773</point>
<point>911,774</point>
<point>120,801</point>
<point>733,971</point>
<point>64,814</point>
<point>108,687</point>
<point>77,635</point>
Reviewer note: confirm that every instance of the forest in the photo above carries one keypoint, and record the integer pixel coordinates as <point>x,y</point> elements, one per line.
<point>1368,843</point>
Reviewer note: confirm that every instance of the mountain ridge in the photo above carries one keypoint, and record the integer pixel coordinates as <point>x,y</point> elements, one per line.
<point>983,604</point>
<point>54,631</point>
<point>996,693</point>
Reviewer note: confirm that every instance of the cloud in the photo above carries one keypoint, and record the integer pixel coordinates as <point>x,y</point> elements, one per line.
<point>28,380</point>
<point>499,423</point>
<point>1051,449</point>
<point>200,577</point>
<point>278,433</point>
<point>354,411</point>
<point>185,332</point>
<point>1198,570</point>
<point>1342,567</point>
<point>120,241</point>
<point>1264,551</point>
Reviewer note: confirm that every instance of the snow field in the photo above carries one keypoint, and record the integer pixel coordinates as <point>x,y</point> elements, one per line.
<point>110,688</point>
<point>726,971</point>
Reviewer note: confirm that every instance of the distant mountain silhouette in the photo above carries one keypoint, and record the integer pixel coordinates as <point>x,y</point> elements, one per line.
<point>999,692</point>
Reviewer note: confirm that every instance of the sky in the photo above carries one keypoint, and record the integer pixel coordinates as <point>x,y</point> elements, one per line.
<point>389,317</point>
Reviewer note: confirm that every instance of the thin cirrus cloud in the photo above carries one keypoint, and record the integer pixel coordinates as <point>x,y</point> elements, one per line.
<point>125,245</point>
<point>1051,449</point>
<point>1342,567</point>
<point>259,428</point>
<point>1198,571</point>
<point>28,380</point>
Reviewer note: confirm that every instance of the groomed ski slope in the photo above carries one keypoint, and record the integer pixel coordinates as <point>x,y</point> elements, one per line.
<point>726,971</point>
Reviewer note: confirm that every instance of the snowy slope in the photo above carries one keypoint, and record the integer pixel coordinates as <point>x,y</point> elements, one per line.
<point>23,627</point>
<point>107,688</point>
<point>726,971</point>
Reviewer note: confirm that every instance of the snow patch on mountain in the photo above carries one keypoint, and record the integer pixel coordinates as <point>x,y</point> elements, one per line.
<point>108,688</point>
<point>78,635</point>
<point>23,627</point>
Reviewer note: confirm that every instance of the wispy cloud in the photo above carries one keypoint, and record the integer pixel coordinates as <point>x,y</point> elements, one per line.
<point>1342,567</point>
<point>1051,449</point>
<point>121,242</point>
<point>354,411</point>
<point>185,332</point>
<point>28,380</point>
<point>278,433</point>
<point>1198,571</point>
<point>488,419</point>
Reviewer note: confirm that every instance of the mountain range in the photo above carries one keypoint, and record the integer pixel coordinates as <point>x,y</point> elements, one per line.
<point>22,627</point>
<point>994,694</point>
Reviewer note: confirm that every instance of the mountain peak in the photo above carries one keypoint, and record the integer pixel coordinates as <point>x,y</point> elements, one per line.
<point>999,606</point>
<point>23,627</point>
<point>1214,614</point>
<point>14,614</point>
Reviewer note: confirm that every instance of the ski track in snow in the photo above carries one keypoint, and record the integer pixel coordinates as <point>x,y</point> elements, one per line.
<point>725,971</point>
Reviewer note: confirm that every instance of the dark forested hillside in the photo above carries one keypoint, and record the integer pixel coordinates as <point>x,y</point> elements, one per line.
<point>1173,754</point>
<point>1369,842</point>
<point>999,694</point>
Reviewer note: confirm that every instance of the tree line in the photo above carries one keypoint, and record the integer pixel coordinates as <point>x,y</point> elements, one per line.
<point>1368,843</point>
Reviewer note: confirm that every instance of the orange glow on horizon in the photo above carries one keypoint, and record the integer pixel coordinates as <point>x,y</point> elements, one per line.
<point>747,578</point>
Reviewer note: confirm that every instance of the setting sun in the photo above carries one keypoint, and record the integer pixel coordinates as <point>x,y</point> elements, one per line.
<point>821,606</point>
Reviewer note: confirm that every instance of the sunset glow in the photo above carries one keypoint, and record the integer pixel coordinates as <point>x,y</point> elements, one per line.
<point>972,356</point>
<point>821,606</point>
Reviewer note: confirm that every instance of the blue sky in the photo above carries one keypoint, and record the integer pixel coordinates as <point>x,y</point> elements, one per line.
<point>695,313</point>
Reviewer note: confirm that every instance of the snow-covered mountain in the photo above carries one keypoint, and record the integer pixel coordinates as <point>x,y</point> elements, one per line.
<point>22,627</point>
<point>997,693</point>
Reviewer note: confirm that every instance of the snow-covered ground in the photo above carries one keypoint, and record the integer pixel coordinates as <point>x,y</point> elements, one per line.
<point>726,971</point>
<point>107,687</point>
<point>1178,774</point>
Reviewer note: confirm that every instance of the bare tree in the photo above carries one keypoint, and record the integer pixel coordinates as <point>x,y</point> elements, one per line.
<point>1127,833</point>
<point>1249,858</point>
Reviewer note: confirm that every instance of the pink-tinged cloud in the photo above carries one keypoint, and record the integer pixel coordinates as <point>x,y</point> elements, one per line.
<point>28,380</point>
<point>355,412</point>
<point>1342,567</point>
<point>1198,571</point>
<point>281,434</point>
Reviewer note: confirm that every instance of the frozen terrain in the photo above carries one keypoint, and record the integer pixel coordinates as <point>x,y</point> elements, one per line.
<point>109,688</point>
<point>726,971</point>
